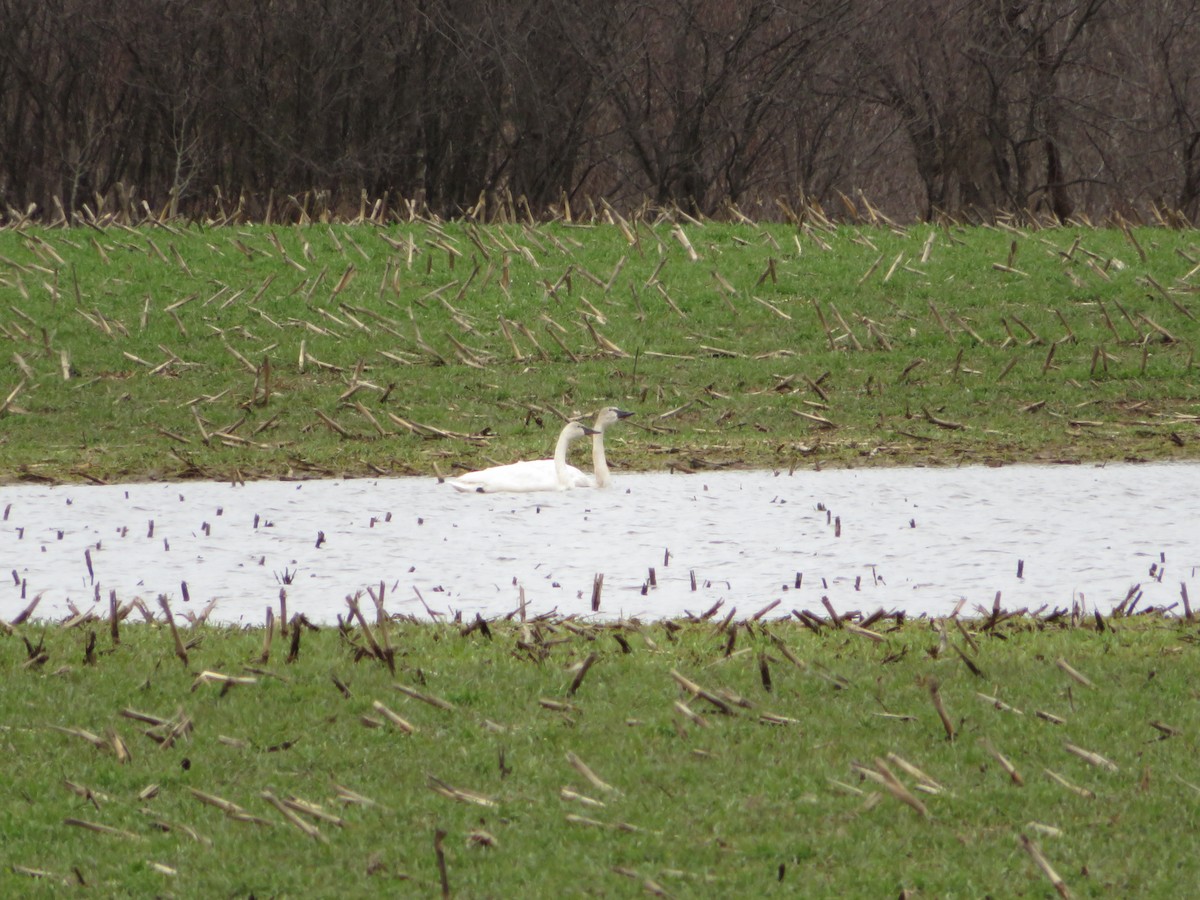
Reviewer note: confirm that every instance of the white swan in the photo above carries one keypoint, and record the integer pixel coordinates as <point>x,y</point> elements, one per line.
<point>528,475</point>
<point>610,415</point>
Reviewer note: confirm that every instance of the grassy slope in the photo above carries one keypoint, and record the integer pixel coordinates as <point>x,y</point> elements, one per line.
<point>722,381</point>
<point>737,807</point>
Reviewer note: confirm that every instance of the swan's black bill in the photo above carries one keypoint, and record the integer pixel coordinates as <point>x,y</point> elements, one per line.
<point>623,414</point>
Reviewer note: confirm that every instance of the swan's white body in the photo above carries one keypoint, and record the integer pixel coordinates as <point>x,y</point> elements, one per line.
<point>527,475</point>
<point>600,477</point>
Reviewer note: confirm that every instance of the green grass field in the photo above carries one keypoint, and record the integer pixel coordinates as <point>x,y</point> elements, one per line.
<point>708,760</point>
<point>354,350</point>
<point>561,758</point>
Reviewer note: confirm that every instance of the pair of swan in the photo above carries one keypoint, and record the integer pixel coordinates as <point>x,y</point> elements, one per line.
<point>549,474</point>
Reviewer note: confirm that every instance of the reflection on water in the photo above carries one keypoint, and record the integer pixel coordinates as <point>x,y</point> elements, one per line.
<point>919,540</point>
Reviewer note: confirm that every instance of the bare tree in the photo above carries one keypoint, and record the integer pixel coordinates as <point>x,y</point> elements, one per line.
<point>297,107</point>
<point>1153,103</point>
<point>696,93</point>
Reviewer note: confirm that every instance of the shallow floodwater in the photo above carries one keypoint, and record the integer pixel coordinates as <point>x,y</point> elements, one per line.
<point>919,540</point>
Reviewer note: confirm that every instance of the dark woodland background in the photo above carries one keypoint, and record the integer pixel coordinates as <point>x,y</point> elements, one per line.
<point>966,108</point>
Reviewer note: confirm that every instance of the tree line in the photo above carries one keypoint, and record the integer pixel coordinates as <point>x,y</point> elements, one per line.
<point>966,108</point>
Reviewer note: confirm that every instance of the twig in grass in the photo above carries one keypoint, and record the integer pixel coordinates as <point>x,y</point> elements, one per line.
<point>924,781</point>
<point>1042,828</point>
<point>1129,237</point>
<point>808,620</point>
<point>967,661</point>
<point>180,650</point>
<point>569,795</point>
<point>517,354</point>
<point>941,423</point>
<point>775,719</point>
<point>144,717</point>
<point>825,325</point>
<point>460,794</point>
<point>331,424</point>
<point>585,820</point>
<point>1090,757</point>
<point>481,838</point>
<point>30,872</point>
<point>581,672</point>
<point>962,323</point>
<point>909,369</point>
<point>12,396</point>
<point>94,739</point>
<point>1001,267</point>
<point>1167,731</point>
<point>935,694</point>
<point>678,234</point>
<point>402,724</point>
<point>764,672</point>
<point>937,317</point>
<point>249,366</point>
<point>864,632</point>
<point>1128,318</point>
<point>297,621</point>
<point>998,703</point>
<point>1074,788</point>
<point>596,823</point>
<point>1049,717</point>
<point>849,333</point>
<point>591,777</point>
<point>1073,673</point>
<point>170,827</point>
<point>439,852</point>
<point>1042,863</point>
<point>1034,338</point>
<point>771,306</point>
<point>228,807</point>
<point>882,775</point>
<point>696,690</point>
<point>91,796</point>
<point>268,634</point>
<point>1166,335</point>
<point>667,299</point>
<point>119,748</point>
<point>102,829</point>
<point>816,419</point>
<point>376,650</point>
<point>690,714</point>
<point>290,816</point>
<point>1008,368</point>
<point>349,797</point>
<point>871,269</point>
<point>226,681</point>
<point>424,698</point>
<point>1007,766</point>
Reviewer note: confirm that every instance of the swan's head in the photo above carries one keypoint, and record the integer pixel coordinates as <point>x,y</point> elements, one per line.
<point>575,430</point>
<point>610,415</point>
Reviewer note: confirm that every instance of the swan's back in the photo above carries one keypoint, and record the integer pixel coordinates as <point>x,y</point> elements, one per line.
<point>528,475</point>
<point>518,477</point>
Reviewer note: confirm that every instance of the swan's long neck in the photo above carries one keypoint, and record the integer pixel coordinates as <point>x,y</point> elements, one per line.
<point>599,460</point>
<point>560,460</point>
